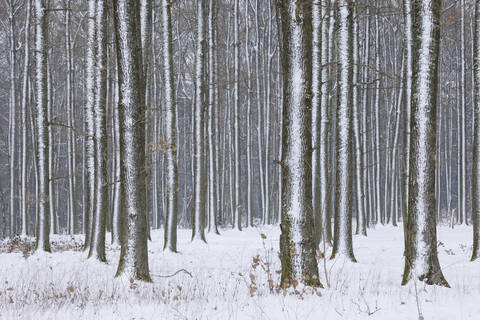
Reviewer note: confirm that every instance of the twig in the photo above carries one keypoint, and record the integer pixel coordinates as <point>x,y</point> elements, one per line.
<point>174,274</point>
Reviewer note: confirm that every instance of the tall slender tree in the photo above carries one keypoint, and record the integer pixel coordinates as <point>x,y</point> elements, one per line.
<point>297,244</point>
<point>134,252</point>
<point>90,159</point>
<point>170,130</point>
<point>476,136</point>
<point>97,244</point>
<point>25,99</point>
<point>41,44</point>
<point>342,240</point>
<point>198,230</point>
<point>421,260</point>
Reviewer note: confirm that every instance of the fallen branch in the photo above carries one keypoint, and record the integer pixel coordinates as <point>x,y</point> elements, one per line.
<point>174,274</point>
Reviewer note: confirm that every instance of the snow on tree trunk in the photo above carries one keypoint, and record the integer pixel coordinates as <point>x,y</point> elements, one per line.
<point>361,225</point>
<point>146,37</point>
<point>118,206</point>
<point>250,195</point>
<point>324,125</point>
<point>71,149</point>
<point>12,119</point>
<point>90,178</point>
<point>407,12</point>
<point>97,244</point>
<point>198,230</point>
<point>41,41</point>
<point>25,93</point>
<point>51,148</point>
<point>297,243</point>
<point>316,109</point>
<point>476,135</point>
<point>134,253</point>
<point>421,260</point>
<point>342,240</point>
<point>237,216</point>
<point>170,131</point>
<point>212,194</point>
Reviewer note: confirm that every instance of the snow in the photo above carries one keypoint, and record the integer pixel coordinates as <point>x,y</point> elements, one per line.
<point>67,285</point>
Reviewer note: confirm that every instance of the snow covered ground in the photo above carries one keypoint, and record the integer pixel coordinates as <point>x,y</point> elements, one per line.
<point>234,277</point>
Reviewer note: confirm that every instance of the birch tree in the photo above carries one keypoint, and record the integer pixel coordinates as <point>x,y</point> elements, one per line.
<point>297,244</point>
<point>421,260</point>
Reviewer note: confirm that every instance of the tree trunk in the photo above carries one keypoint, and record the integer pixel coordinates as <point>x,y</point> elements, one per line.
<point>297,243</point>
<point>134,253</point>
<point>25,93</point>
<point>198,230</point>
<point>342,241</point>
<point>97,244</point>
<point>421,260</point>
<point>170,132</point>
<point>41,44</point>
<point>476,136</point>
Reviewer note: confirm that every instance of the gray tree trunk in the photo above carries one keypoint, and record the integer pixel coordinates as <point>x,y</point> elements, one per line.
<point>41,44</point>
<point>476,136</point>
<point>297,243</point>
<point>97,244</point>
<point>342,240</point>
<point>421,260</point>
<point>134,253</point>
<point>170,131</point>
<point>199,207</point>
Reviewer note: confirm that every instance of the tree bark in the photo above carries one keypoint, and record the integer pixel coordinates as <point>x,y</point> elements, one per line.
<point>421,260</point>
<point>297,243</point>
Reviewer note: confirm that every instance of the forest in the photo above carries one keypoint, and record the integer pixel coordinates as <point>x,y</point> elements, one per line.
<point>240,159</point>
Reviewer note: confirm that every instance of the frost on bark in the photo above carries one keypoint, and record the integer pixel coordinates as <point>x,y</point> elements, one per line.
<point>342,240</point>
<point>12,119</point>
<point>421,260</point>
<point>146,44</point>
<point>297,244</point>
<point>212,98</point>
<point>476,135</point>
<point>462,198</point>
<point>198,228</point>
<point>407,86</point>
<point>316,108</point>
<point>41,40</point>
<point>360,192</point>
<point>324,125</point>
<point>118,205</point>
<point>170,131</point>
<point>237,216</point>
<point>90,179</point>
<point>51,148</point>
<point>134,254</point>
<point>97,244</point>
<point>25,93</point>
<point>249,206</point>
<point>71,149</point>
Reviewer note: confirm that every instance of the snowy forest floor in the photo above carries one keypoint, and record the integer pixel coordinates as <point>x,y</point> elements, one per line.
<point>230,280</point>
